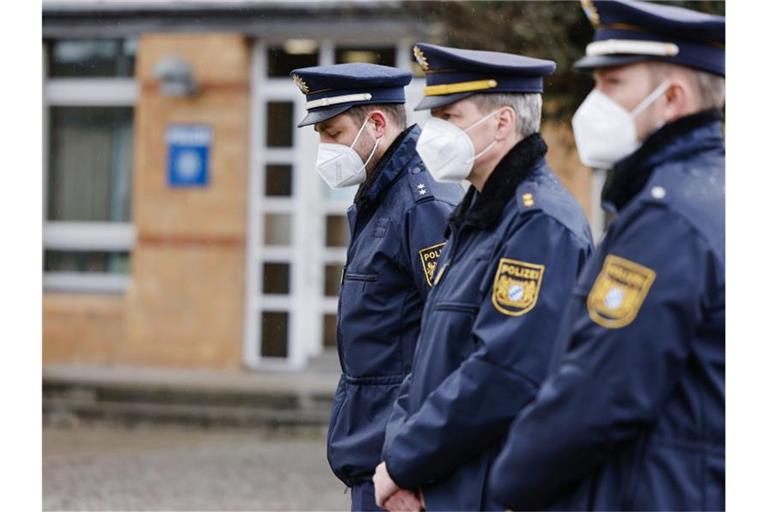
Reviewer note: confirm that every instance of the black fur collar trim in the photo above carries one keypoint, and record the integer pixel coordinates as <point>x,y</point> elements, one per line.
<point>484,210</point>
<point>631,174</point>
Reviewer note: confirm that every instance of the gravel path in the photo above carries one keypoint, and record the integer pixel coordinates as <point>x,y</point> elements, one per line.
<point>173,468</point>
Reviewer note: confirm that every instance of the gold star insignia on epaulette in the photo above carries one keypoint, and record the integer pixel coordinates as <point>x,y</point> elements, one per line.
<point>420,58</point>
<point>591,11</point>
<point>528,199</point>
<point>301,84</point>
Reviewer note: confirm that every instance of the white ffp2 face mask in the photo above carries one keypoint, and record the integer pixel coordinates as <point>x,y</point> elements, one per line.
<point>605,131</point>
<point>339,165</point>
<point>447,150</point>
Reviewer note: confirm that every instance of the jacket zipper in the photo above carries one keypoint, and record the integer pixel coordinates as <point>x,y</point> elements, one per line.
<point>456,250</point>
<point>339,338</point>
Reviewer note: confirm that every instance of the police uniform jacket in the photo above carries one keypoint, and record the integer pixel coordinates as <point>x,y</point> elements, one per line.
<point>511,261</point>
<point>632,417</point>
<point>397,226</point>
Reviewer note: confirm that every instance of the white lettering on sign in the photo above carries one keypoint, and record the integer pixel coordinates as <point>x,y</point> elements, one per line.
<point>188,134</point>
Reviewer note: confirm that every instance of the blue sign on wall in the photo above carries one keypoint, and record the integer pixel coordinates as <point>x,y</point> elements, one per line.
<point>189,148</point>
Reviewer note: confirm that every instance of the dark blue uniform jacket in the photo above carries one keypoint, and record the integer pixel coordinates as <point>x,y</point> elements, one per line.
<point>511,262</point>
<point>633,415</point>
<point>397,226</point>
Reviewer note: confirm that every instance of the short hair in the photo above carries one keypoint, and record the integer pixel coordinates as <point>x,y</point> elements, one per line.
<point>711,90</point>
<point>709,87</point>
<point>395,113</point>
<point>527,109</point>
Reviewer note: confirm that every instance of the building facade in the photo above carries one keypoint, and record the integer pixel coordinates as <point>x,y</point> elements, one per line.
<point>184,223</point>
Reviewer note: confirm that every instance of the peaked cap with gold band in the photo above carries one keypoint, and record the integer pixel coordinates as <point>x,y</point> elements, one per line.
<point>629,31</point>
<point>455,73</point>
<point>331,90</point>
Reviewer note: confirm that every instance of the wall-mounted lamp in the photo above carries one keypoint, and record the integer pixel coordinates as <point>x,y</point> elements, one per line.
<point>175,75</point>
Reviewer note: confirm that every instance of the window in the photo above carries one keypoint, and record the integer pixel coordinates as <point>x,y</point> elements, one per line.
<point>279,180</point>
<point>280,125</point>
<point>293,54</point>
<point>336,231</point>
<point>80,58</point>
<point>329,330</point>
<point>384,55</point>
<point>89,93</point>
<point>333,273</point>
<point>277,229</point>
<point>277,278</point>
<point>87,261</point>
<point>89,166</point>
<point>274,334</point>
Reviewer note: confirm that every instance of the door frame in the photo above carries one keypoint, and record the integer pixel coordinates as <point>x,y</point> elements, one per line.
<point>308,206</point>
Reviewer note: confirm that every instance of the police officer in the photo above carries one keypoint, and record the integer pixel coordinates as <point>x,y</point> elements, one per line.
<point>516,244</point>
<point>633,416</point>
<point>397,226</point>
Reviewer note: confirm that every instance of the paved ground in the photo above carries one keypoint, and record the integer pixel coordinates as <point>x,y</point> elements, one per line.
<point>174,468</point>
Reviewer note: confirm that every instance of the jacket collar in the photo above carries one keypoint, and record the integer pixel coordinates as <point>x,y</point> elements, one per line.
<point>391,164</point>
<point>674,141</point>
<point>483,209</point>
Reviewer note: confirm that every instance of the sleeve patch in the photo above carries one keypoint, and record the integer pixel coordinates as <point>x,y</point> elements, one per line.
<point>429,256</point>
<point>516,286</point>
<point>618,292</point>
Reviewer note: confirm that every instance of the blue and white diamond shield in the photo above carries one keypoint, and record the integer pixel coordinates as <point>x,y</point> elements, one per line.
<point>189,148</point>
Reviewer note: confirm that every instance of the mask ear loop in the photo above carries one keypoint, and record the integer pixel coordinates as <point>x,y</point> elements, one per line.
<point>359,132</point>
<point>373,151</point>
<point>657,92</point>
<point>481,120</point>
<point>375,144</point>
<point>489,146</point>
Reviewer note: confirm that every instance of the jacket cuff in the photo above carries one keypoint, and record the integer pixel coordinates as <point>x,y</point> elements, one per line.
<point>403,476</point>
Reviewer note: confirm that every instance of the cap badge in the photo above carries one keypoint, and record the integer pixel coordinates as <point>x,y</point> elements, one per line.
<point>591,11</point>
<point>301,84</point>
<point>420,58</point>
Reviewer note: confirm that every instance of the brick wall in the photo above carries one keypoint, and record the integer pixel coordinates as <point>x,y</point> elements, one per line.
<point>185,304</point>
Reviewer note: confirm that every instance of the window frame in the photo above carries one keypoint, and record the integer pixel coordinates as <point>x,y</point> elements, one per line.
<point>84,236</point>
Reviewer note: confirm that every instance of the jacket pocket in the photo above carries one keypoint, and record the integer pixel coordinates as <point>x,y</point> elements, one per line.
<point>354,297</point>
<point>451,322</point>
<point>356,276</point>
<point>459,307</point>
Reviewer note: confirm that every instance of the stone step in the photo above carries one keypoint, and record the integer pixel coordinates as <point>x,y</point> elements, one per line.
<point>233,399</point>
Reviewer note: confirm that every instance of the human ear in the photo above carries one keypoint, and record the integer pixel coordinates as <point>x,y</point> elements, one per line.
<point>676,100</point>
<point>506,123</point>
<point>379,122</point>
